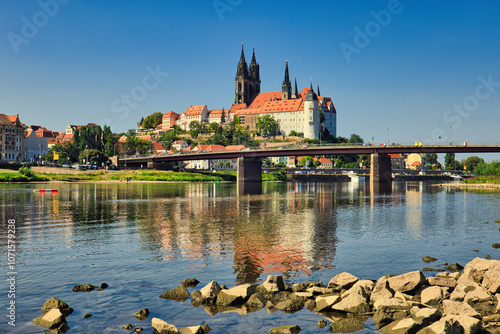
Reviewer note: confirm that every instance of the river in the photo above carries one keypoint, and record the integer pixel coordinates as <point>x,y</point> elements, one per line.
<point>143,238</point>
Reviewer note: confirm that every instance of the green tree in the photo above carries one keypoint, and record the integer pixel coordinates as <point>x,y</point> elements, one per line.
<point>449,160</point>
<point>236,120</point>
<point>223,117</point>
<point>152,121</point>
<point>431,158</point>
<point>472,162</point>
<point>92,157</point>
<point>194,128</point>
<point>355,139</point>
<point>267,126</point>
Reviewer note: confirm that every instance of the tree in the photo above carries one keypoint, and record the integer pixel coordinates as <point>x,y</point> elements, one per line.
<point>152,121</point>
<point>431,158</point>
<point>449,159</point>
<point>471,162</point>
<point>223,117</point>
<point>355,139</point>
<point>92,157</point>
<point>236,120</point>
<point>194,128</point>
<point>267,126</point>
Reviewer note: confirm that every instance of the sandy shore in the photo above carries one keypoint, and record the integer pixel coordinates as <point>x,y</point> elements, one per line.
<point>471,185</point>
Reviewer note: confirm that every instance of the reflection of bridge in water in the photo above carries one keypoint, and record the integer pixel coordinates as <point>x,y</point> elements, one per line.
<point>249,160</point>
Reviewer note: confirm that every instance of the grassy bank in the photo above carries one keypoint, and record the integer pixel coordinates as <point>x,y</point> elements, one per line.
<point>489,179</point>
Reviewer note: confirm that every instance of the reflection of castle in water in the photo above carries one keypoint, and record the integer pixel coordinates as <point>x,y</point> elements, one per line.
<point>291,228</point>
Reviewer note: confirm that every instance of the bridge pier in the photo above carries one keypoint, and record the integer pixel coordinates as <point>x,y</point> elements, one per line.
<point>380,173</point>
<point>249,170</point>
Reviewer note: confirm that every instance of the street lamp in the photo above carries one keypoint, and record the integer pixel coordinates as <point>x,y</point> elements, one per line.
<point>388,136</point>
<point>451,135</point>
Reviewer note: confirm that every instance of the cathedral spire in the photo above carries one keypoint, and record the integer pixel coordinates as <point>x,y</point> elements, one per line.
<point>296,90</point>
<point>319,94</point>
<point>287,85</point>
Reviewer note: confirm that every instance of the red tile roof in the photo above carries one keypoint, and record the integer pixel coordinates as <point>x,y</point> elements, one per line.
<point>211,148</point>
<point>195,110</point>
<point>235,147</point>
<point>235,107</point>
<point>262,98</point>
<point>325,161</point>
<point>282,106</point>
<point>170,114</point>
<point>158,147</point>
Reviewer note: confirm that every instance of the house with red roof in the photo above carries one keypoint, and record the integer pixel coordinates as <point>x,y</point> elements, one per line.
<point>12,139</point>
<point>397,161</point>
<point>415,161</point>
<point>168,120</point>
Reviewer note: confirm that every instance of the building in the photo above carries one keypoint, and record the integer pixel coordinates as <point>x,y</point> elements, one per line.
<point>179,145</point>
<point>304,112</point>
<point>397,161</point>
<point>13,141</point>
<point>325,163</point>
<point>415,161</point>
<point>38,142</point>
<point>70,129</point>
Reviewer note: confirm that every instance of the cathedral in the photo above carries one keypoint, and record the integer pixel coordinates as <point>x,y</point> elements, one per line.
<point>304,112</point>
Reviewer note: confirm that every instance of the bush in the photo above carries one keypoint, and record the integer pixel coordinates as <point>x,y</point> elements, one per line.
<point>26,171</point>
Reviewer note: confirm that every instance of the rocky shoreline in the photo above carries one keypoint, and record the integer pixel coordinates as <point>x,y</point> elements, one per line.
<point>471,185</point>
<point>456,301</point>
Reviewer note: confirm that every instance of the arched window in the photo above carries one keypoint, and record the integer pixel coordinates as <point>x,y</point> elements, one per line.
<point>239,86</point>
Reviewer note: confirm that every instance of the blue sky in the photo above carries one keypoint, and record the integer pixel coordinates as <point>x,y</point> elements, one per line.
<point>407,70</point>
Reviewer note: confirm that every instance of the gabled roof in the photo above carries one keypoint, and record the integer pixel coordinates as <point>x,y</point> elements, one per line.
<point>235,147</point>
<point>177,142</point>
<point>325,161</point>
<point>215,113</point>
<point>7,120</point>
<point>170,113</point>
<point>211,148</point>
<point>416,163</point>
<point>195,110</point>
<point>282,106</point>
<point>248,111</point>
<point>158,147</point>
<point>236,107</point>
<point>395,156</point>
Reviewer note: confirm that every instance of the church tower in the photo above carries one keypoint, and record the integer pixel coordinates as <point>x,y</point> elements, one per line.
<point>247,80</point>
<point>312,115</point>
<point>286,88</point>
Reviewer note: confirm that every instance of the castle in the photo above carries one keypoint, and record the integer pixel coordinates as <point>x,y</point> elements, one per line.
<point>304,112</point>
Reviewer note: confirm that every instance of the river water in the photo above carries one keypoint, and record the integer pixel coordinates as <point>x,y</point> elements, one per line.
<point>143,238</point>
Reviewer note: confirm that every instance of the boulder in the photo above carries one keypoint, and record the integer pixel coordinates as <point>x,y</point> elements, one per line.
<point>356,303</point>
<point>210,291</point>
<point>383,318</point>
<point>442,281</point>
<point>342,281</point>
<point>310,304</point>
<point>427,315</point>
<point>306,295</point>
<point>291,305</point>
<point>479,294</point>
<point>256,301</point>
<point>454,275</point>
<point>451,307</point>
<point>391,304</point>
<point>84,287</point>
<point>474,271</point>
<point>407,282</point>
<point>190,282</point>
<point>403,326</point>
<point>454,267</point>
<point>287,329</point>
<point>491,279</point>
<point>142,314</point>
<point>274,283</point>
<point>454,324</point>
<point>322,323</point>
<point>179,293</point>
<point>428,259</point>
<point>58,304</point>
<point>236,295</point>
<point>461,290</point>
<point>138,329</point>
<point>433,295</point>
<point>53,319</point>
<point>203,329</point>
<point>162,327</point>
<point>347,325</point>
<point>381,290</point>
<point>363,288</point>
<point>317,290</point>
<point>325,302</point>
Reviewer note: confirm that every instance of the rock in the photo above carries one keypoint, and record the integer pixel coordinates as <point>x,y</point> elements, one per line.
<point>306,295</point>
<point>427,315</point>
<point>274,283</point>
<point>454,267</point>
<point>479,294</point>
<point>491,318</point>
<point>179,293</point>
<point>428,259</point>
<point>491,279</point>
<point>433,295</point>
<point>451,307</point>
<point>53,319</point>
<point>104,286</point>
<point>432,269</point>
<point>496,245</point>
<point>190,282</point>
<point>300,287</point>
<point>87,315</point>
<point>442,281</point>
<point>210,291</point>
<point>310,304</point>
<point>390,304</point>
<point>324,302</point>
<point>84,287</point>
<point>162,327</point>
<point>291,305</point>
<point>354,303</point>
<point>322,323</point>
<point>363,288</point>
<point>317,290</point>
<point>461,290</point>
<point>407,282</point>
<point>342,281</point>
<point>236,295</point>
<point>203,329</point>
<point>138,329</point>
<point>127,327</point>
<point>196,298</point>
<point>454,275</point>
<point>403,326</point>
<point>381,290</point>
<point>487,256</point>
<point>58,304</point>
<point>347,325</point>
<point>454,324</point>
<point>474,271</point>
<point>497,297</point>
<point>256,301</point>
<point>142,314</point>
<point>383,318</point>
<point>286,329</point>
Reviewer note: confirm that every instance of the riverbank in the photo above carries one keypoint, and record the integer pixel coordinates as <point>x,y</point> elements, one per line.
<point>55,174</point>
<point>471,185</point>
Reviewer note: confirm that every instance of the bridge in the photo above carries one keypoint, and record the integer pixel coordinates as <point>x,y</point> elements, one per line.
<point>249,160</point>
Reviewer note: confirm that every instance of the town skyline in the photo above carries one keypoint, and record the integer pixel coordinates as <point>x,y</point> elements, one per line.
<point>396,71</point>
